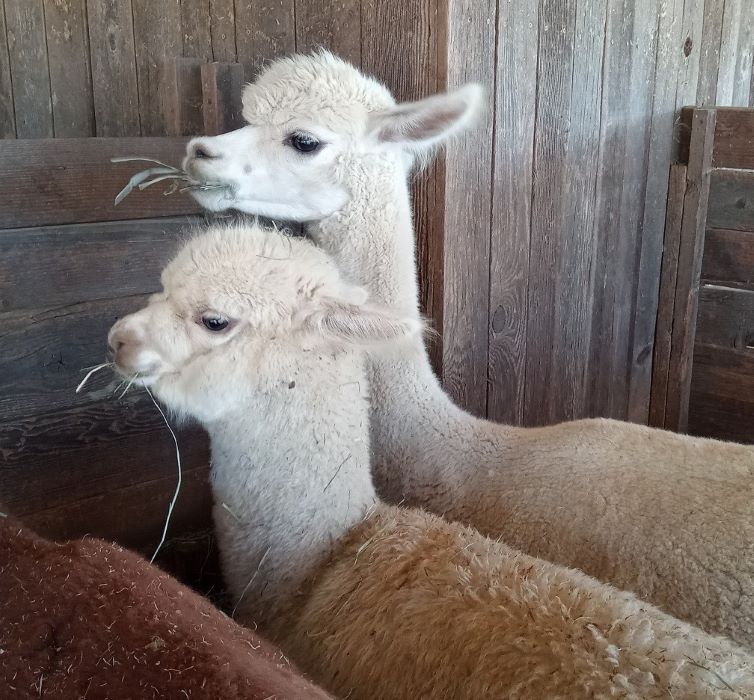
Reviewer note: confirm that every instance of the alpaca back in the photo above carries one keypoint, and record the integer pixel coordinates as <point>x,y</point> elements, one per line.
<point>413,606</point>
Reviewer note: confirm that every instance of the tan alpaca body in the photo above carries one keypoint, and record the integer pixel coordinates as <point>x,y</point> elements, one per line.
<point>374,601</point>
<point>416,607</point>
<point>664,515</point>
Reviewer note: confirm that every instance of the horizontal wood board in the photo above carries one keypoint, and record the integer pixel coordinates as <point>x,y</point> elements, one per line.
<point>62,181</point>
<point>92,462</point>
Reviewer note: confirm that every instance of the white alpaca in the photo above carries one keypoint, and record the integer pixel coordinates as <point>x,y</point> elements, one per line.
<point>257,337</point>
<point>667,516</point>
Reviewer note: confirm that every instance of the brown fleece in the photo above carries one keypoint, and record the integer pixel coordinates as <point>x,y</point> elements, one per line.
<point>89,619</point>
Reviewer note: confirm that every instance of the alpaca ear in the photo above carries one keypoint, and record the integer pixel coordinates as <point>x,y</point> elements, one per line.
<point>419,125</point>
<point>360,324</point>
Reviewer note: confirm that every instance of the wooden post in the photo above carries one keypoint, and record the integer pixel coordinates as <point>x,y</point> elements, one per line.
<point>182,101</point>
<point>222,84</point>
<point>668,276</point>
<point>690,252</point>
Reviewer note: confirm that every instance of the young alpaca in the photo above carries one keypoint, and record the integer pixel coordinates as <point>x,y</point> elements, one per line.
<point>667,516</point>
<point>257,337</point>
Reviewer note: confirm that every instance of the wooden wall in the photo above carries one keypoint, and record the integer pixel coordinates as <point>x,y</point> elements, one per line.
<point>540,235</point>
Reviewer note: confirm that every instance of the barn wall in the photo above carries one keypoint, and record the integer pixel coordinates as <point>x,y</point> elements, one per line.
<point>539,236</point>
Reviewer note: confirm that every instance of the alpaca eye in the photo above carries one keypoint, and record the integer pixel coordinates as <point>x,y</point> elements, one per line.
<point>305,143</point>
<point>215,323</point>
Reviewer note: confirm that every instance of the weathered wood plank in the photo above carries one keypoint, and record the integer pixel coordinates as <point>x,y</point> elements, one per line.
<point>722,419</point>
<point>45,349</point>
<point>729,258</point>
<point>689,269</point>
<point>468,199</point>
<point>70,73</point>
<point>223,30</point>
<point>744,56</point>
<point>195,24</point>
<point>554,77</point>
<point>724,372</point>
<point>731,30</point>
<point>710,53</point>
<point>7,111</point>
<point>182,98</point>
<point>64,265</point>
<point>133,516</point>
<point>29,68</point>
<point>157,30</point>
<point>72,180</point>
<point>731,200</point>
<point>515,109</point>
<point>115,86</point>
<point>412,65</point>
<point>722,388</point>
<point>674,83</point>
<point>665,311</point>
<point>332,24</point>
<point>726,318</point>
<point>265,30</point>
<point>734,139</point>
<point>630,56</point>
<point>222,86</point>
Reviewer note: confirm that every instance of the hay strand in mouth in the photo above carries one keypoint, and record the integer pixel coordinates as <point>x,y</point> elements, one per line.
<point>181,181</point>
<point>92,371</point>
<point>180,477</point>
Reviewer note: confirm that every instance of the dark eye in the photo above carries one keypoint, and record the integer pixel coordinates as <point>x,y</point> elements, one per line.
<point>306,143</point>
<point>215,323</point>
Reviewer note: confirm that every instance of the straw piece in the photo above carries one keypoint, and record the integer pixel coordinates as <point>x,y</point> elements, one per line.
<point>180,477</point>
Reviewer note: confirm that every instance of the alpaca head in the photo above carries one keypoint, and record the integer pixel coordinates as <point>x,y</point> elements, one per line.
<point>237,306</point>
<point>310,117</point>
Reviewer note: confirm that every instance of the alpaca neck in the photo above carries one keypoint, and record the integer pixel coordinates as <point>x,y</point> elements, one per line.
<point>375,225</point>
<point>372,240</point>
<point>290,476</point>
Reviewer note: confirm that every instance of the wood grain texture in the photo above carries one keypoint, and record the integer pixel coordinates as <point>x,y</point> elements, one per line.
<point>743,75</point>
<point>265,29</point>
<point>131,515</point>
<point>734,139</point>
<point>72,180</point>
<point>629,55</point>
<point>689,268</point>
<point>195,24</point>
<point>223,30</point>
<point>157,31</point>
<point>731,203</point>
<point>666,301</point>
<point>515,109</point>
<point>577,236</point>
<point>412,65</point>
<point>182,96</point>
<point>468,201</point>
<point>7,111</point>
<point>66,458</point>
<point>729,258</point>
<point>726,318</point>
<point>115,85</point>
<point>36,263</point>
<point>673,83</point>
<point>729,43</point>
<point>222,86</point>
<point>30,74</point>
<point>331,24</point>
<point>722,388</point>
<point>555,75</point>
<point>70,72</point>
<point>710,53</point>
